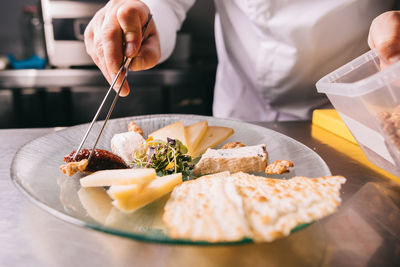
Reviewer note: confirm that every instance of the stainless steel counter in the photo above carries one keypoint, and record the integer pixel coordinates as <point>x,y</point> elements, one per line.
<point>364,232</point>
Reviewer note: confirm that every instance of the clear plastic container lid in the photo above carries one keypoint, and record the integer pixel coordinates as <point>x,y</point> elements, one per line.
<point>358,77</point>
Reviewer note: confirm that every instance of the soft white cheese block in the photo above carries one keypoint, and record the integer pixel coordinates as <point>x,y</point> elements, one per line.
<point>245,159</point>
<point>154,190</point>
<point>119,177</point>
<point>125,144</point>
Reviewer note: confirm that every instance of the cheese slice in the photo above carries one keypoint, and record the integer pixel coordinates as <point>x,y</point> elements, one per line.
<point>174,131</point>
<point>154,190</point>
<point>96,203</point>
<point>194,134</point>
<point>213,137</point>
<point>123,191</point>
<point>119,177</point>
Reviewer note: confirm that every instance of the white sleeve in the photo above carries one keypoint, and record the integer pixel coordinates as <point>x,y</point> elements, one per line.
<point>168,16</point>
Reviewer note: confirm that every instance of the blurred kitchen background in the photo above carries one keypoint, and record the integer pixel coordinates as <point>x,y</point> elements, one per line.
<point>47,80</point>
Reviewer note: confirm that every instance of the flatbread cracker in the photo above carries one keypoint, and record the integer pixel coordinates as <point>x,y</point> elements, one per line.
<point>207,209</point>
<point>224,207</point>
<point>274,207</point>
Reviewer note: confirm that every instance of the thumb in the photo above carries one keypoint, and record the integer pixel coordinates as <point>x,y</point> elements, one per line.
<point>384,36</point>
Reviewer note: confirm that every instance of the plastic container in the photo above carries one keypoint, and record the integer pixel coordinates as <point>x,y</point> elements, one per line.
<point>367,98</point>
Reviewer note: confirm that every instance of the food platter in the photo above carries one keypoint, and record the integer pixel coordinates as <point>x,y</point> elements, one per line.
<point>35,170</point>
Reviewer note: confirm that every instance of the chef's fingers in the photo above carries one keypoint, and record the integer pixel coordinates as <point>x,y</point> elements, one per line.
<point>118,22</point>
<point>93,43</point>
<point>113,58</point>
<point>149,54</point>
<point>131,17</point>
<point>112,43</point>
<point>102,68</point>
<point>384,35</point>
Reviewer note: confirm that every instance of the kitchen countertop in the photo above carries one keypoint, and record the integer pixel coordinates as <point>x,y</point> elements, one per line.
<point>364,232</point>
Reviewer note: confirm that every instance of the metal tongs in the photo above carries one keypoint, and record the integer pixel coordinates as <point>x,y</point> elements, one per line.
<point>125,66</point>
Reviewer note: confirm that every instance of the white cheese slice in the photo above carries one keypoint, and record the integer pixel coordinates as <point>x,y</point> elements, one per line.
<point>123,191</point>
<point>174,131</point>
<point>194,134</point>
<point>213,137</point>
<point>119,177</point>
<point>154,190</point>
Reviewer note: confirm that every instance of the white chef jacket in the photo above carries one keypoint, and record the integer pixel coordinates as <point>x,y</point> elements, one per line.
<point>271,52</point>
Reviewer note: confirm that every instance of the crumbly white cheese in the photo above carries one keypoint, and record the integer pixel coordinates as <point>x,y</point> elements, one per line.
<point>125,144</point>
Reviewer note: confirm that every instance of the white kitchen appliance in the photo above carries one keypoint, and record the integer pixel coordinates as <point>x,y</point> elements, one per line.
<point>64,25</point>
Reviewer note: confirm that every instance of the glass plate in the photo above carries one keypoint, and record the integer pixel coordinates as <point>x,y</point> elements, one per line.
<point>35,170</point>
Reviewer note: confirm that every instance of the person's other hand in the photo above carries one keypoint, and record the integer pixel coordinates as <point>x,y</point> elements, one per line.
<point>384,36</point>
<point>116,31</point>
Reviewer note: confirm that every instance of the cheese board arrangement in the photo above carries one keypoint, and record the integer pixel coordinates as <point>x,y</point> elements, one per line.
<point>182,179</point>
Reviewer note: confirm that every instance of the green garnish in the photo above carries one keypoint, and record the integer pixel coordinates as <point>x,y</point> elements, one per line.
<point>166,157</point>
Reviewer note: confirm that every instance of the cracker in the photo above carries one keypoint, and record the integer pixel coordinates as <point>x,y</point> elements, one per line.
<point>223,207</point>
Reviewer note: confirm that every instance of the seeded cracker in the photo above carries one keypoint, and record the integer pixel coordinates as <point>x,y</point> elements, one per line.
<point>225,207</point>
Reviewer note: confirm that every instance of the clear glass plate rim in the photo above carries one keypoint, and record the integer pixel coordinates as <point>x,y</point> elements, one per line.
<point>141,237</point>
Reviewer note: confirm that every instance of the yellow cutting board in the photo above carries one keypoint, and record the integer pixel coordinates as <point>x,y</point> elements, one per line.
<point>329,119</point>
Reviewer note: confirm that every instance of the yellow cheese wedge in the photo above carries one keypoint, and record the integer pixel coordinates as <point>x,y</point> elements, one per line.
<point>119,177</point>
<point>194,133</point>
<point>213,137</point>
<point>96,202</point>
<point>123,191</point>
<point>154,190</point>
<point>174,131</point>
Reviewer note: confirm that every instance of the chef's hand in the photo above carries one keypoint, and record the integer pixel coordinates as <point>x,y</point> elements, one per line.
<point>119,22</point>
<point>384,35</point>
